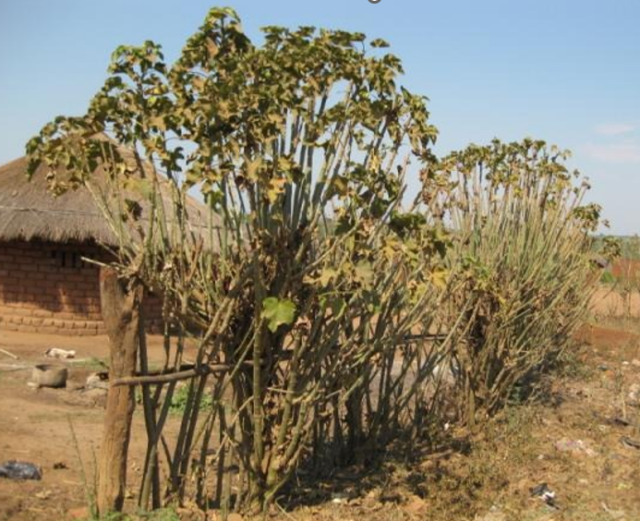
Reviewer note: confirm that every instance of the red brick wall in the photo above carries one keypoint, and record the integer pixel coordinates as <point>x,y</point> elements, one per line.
<point>47,288</point>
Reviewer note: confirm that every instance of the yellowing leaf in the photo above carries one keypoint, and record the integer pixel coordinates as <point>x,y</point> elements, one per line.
<point>327,275</point>
<point>439,278</point>
<point>364,273</point>
<point>276,187</point>
<point>340,186</point>
<point>212,48</point>
<point>374,162</point>
<point>144,187</point>
<point>252,169</point>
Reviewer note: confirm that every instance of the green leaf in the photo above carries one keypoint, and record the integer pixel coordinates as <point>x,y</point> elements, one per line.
<point>143,187</point>
<point>379,43</point>
<point>336,304</point>
<point>278,312</point>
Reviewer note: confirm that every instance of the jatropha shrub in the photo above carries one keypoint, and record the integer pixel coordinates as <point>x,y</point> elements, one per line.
<point>321,311</point>
<point>305,284</point>
<point>522,246</point>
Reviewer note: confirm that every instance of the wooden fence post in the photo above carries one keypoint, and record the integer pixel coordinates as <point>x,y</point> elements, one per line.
<point>121,315</point>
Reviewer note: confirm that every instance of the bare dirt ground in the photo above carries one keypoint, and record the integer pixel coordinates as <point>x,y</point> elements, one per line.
<point>611,302</point>
<point>571,438</point>
<point>55,428</point>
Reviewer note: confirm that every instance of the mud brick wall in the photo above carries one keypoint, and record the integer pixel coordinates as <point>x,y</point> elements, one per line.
<point>48,288</point>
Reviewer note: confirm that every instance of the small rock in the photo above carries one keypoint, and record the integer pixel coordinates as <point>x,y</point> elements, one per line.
<point>50,375</point>
<point>60,465</point>
<point>635,363</point>
<point>339,498</point>
<point>97,381</point>
<point>20,470</point>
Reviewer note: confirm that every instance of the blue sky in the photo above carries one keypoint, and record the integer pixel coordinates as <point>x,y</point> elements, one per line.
<point>566,71</point>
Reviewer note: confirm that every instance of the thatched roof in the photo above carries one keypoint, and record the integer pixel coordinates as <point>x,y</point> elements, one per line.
<point>29,211</point>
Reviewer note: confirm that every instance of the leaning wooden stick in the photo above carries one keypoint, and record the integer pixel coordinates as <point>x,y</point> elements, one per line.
<point>10,355</point>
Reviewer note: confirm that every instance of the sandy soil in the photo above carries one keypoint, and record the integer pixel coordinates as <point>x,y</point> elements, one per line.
<point>39,425</point>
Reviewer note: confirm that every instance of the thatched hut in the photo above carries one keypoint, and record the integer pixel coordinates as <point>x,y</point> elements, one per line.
<point>45,286</point>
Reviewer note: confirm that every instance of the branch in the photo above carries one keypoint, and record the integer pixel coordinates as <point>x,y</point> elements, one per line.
<point>172,376</point>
